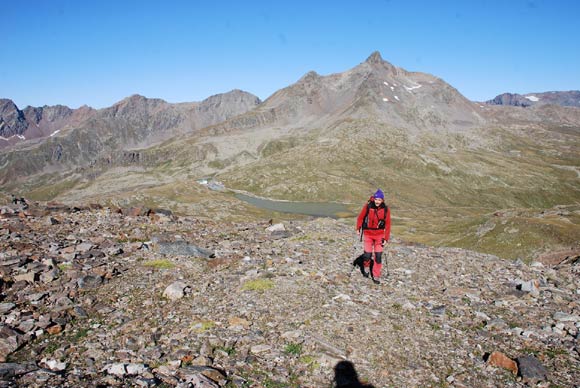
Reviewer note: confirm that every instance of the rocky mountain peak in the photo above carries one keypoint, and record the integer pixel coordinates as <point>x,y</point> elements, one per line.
<point>49,113</point>
<point>12,121</point>
<point>374,58</point>
<point>135,99</point>
<point>376,62</point>
<point>310,76</point>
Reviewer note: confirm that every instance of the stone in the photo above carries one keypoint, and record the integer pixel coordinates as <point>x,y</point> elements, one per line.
<point>237,321</point>
<point>500,360</point>
<point>49,276</point>
<point>10,369</point>
<point>10,340</point>
<point>29,277</point>
<point>83,247</point>
<point>54,329</point>
<point>257,349</point>
<point>135,369</point>
<point>276,228</point>
<point>6,307</point>
<point>190,372</point>
<point>175,291</point>
<point>531,369</point>
<point>90,281</point>
<point>117,369</point>
<point>182,248</point>
<point>438,310</point>
<point>531,286</point>
<point>565,317</point>
<point>53,364</point>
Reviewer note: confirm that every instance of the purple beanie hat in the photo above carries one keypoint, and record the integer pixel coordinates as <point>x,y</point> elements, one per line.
<point>379,194</point>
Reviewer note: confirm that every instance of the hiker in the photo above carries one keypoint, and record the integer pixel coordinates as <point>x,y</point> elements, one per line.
<point>374,222</point>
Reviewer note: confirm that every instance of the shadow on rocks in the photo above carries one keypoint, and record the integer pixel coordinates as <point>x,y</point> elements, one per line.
<point>345,376</point>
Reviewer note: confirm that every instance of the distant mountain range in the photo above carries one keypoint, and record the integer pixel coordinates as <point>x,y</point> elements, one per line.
<point>570,98</point>
<point>448,164</point>
<point>135,112</point>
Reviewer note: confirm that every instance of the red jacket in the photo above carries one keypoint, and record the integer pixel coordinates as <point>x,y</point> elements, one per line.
<point>374,216</point>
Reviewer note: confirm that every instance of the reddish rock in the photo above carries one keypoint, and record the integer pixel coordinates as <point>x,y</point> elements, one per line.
<point>55,329</point>
<point>499,359</point>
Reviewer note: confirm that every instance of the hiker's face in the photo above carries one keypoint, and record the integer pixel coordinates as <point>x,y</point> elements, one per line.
<point>378,201</point>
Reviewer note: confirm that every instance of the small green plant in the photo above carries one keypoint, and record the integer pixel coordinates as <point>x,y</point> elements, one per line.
<point>50,348</point>
<point>64,267</point>
<point>270,383</point>
<point>227,349</point>
<point>310,361</point>
<point>202,326</point>
<point>293,348</point>
<point>555,352</point>
<point>260,285</point>
<point>159,264</point>
<point>81,333</point>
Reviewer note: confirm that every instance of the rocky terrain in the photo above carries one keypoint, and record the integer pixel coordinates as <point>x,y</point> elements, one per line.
<point>94,296</point>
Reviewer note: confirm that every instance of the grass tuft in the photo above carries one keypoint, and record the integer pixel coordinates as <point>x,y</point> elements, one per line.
<point>260,285</point>
<point>159,264</point>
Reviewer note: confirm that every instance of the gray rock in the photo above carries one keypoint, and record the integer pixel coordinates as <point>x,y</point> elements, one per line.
<point>53,364</point>
<point>10,340</point>
<point>49,276</point>
<point>6,307</point>
<point>565,317</point>
<point>182,248</point>
<point>257,349</point>
<point>531,369</point>
<point>200,376</point>
<point>79,312</point>
<point>438,310</point>
<point>84,247</point>
<point>117,369</point>
<point>10,369</point>
<point>135,369</point>
<point>90,281</point>
<point>29,277</point>
<point>175,291</point>
<point>276,228</point>
<point>531,286</point>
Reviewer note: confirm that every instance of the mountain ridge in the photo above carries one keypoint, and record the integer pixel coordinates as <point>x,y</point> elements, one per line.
<point>563,98</point>
<point>446,161</point>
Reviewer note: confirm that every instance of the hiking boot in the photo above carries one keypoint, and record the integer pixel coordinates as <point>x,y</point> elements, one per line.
<point>376,281</point>
<point>365,271</point>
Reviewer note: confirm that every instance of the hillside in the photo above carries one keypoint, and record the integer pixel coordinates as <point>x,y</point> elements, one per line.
<point>448,165</point>
<point>132,297</point>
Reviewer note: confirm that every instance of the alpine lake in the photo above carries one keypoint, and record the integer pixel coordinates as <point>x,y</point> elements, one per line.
<point>314,209</point>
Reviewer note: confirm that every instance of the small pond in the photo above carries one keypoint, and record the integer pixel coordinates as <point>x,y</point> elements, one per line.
<point>316,209</point>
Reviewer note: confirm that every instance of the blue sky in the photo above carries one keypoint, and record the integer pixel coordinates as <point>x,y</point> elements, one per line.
<point>99,52</point>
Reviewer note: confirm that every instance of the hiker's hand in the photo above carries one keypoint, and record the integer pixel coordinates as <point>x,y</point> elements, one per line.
<point>358,232</point>
<point>384,242</point>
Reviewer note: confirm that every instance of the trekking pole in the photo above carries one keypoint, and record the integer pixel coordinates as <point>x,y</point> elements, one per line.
<point>354,248</point>
<point>387,262</point>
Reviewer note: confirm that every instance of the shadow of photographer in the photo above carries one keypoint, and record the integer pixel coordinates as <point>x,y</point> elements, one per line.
<point>345,376</point>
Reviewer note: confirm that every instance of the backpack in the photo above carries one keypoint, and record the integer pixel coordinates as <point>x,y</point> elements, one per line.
<point>382,222</point>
